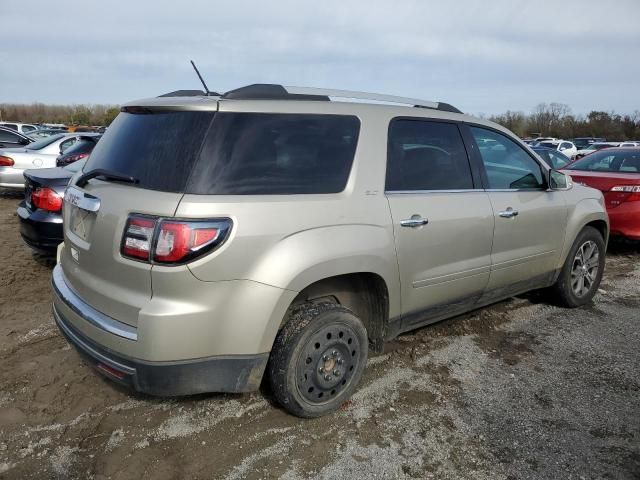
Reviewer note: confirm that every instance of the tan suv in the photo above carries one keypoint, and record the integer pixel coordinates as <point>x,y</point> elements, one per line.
<point>213,240</point>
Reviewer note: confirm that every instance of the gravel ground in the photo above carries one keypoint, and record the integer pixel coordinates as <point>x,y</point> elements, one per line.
<point>520,389</point>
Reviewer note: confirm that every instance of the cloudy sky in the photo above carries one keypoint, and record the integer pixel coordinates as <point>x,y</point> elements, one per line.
<point>481,56</point>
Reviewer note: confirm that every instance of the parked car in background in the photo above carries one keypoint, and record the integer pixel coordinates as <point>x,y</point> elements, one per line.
<point>583,142</point>
<point>616,173</point>
<point>24,128</point>
<point>552,157</point>
<point>12,139</point>
<point>40,154</point>
<point>563,146</point>
<point>594,147</point>
<point>630,144</point>
<point>45,132</point>
<point>211,241</point>
<point>80,150</point>
<point>40,212</point>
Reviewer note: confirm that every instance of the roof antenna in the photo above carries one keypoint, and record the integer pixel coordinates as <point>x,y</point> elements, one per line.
<point>206,89</point>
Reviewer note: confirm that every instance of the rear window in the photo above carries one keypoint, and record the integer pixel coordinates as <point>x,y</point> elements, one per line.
<point>275,153</point>
<point>158,149</point>
<point>236,154</point>
<point>609,161</point>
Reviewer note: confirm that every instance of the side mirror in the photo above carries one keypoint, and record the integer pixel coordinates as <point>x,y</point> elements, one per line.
<point>559,181</point>
<point>24,141</point>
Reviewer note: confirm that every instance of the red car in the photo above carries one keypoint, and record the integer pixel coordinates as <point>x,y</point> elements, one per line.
<point>616,173</point>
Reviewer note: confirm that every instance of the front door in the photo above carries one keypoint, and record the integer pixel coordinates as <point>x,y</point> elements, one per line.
<point>443,221</point>
<point>530,220</point>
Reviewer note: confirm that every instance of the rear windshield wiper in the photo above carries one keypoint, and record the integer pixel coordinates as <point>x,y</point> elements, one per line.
<point>107,175</point>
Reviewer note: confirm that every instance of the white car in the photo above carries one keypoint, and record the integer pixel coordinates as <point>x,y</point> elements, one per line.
<point>630,144</point>
<point>40,154</point>
<point>565,147</point>
<point>24,128</point>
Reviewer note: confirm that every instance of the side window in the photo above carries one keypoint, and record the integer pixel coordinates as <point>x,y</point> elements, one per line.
<point>565,146</point>
<point>67,143</point>
<point>426,155</point>
<point>28,128</point>
<point>12,126</point>
<point>507,164</point>
<point>558,160</point>
<point>8,137</point>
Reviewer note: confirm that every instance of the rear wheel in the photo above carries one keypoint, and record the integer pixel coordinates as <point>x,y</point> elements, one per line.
<point>318,359</point>
<point>582,271</point>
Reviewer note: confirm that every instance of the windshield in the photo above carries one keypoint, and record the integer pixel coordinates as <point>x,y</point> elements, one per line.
<point>75,166</point>
<point>40,144</point>
<point>548,145</point>
<point>609,161</point>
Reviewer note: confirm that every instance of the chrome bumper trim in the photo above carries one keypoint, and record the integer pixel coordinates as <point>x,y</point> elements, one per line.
<point>86,311</point>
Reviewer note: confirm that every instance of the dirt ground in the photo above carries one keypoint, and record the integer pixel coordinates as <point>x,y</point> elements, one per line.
<point>520,389</point>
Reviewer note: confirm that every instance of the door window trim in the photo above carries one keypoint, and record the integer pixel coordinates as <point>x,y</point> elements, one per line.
<point>476,178</point>
<point>476,157</point>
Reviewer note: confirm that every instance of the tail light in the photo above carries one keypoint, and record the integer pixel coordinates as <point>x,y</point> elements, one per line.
<point>62,162</point>
<point>627,193</point>
<point>169,241</point>
<point>46,199</point>
<point>6,161</point>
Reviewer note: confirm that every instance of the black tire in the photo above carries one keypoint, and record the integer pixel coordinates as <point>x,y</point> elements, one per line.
<point>565,287</point>
<point>317,359</point>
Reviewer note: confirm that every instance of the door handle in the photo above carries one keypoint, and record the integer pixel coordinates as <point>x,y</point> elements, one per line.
<point>509,213</point>
<point>414,221</point>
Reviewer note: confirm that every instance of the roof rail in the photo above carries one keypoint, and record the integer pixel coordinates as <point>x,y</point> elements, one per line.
<point>266,91</point>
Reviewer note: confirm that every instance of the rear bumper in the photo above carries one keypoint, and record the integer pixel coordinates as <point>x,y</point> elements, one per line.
<point>174,367</point>
<point>216,374</point>
<point>40,230</point>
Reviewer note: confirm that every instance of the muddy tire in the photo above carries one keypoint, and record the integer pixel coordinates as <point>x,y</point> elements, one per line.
<point>582,270</point>
<point>317,359</point>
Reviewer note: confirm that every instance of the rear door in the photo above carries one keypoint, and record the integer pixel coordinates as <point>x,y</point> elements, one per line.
<point>442,219</point>
<point>158,149</point>
<point>529,219</point>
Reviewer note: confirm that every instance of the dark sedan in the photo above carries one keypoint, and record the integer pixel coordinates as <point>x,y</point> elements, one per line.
<point>40,212</point>
<point>81,149</point>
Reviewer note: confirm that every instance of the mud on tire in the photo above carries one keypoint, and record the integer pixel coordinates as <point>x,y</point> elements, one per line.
<point>317,359</point>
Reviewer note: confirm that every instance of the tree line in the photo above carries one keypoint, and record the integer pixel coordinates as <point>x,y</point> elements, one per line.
<point>66,114</point>
<point>556,120</point>
<point>552,120</point>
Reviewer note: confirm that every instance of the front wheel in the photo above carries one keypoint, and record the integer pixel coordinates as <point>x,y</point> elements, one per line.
<point>318,359</point>
<point>582,271</point>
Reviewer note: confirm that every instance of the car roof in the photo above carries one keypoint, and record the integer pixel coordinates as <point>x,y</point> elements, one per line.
<point>268,98</point>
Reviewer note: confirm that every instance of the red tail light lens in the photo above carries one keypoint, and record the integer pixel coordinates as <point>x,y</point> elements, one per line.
<point>6,161</point>
<point>627,193</point>
<point>172,241</point>
<point>46,199</point>
<point>61,162</point>
<point>138,236</point>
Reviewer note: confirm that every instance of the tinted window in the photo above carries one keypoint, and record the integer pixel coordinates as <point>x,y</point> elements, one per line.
<point>564,146</point>
<point>425,155</point>
<point>548,145</point>
<point>609,161</point>
<point>28,128</point>
<point>159,149</point>
<point>507,164</point>
<point>8,137</point>
<point>12,126</point>
<point>83,145</point>
<point>259,153</point>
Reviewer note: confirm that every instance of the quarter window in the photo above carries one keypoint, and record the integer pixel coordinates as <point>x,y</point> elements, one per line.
<point>507,164</point>
<point>426,155</point>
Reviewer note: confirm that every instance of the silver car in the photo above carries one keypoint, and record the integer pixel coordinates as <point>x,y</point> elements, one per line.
<point>212,241</point>
<point>39,154</point>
